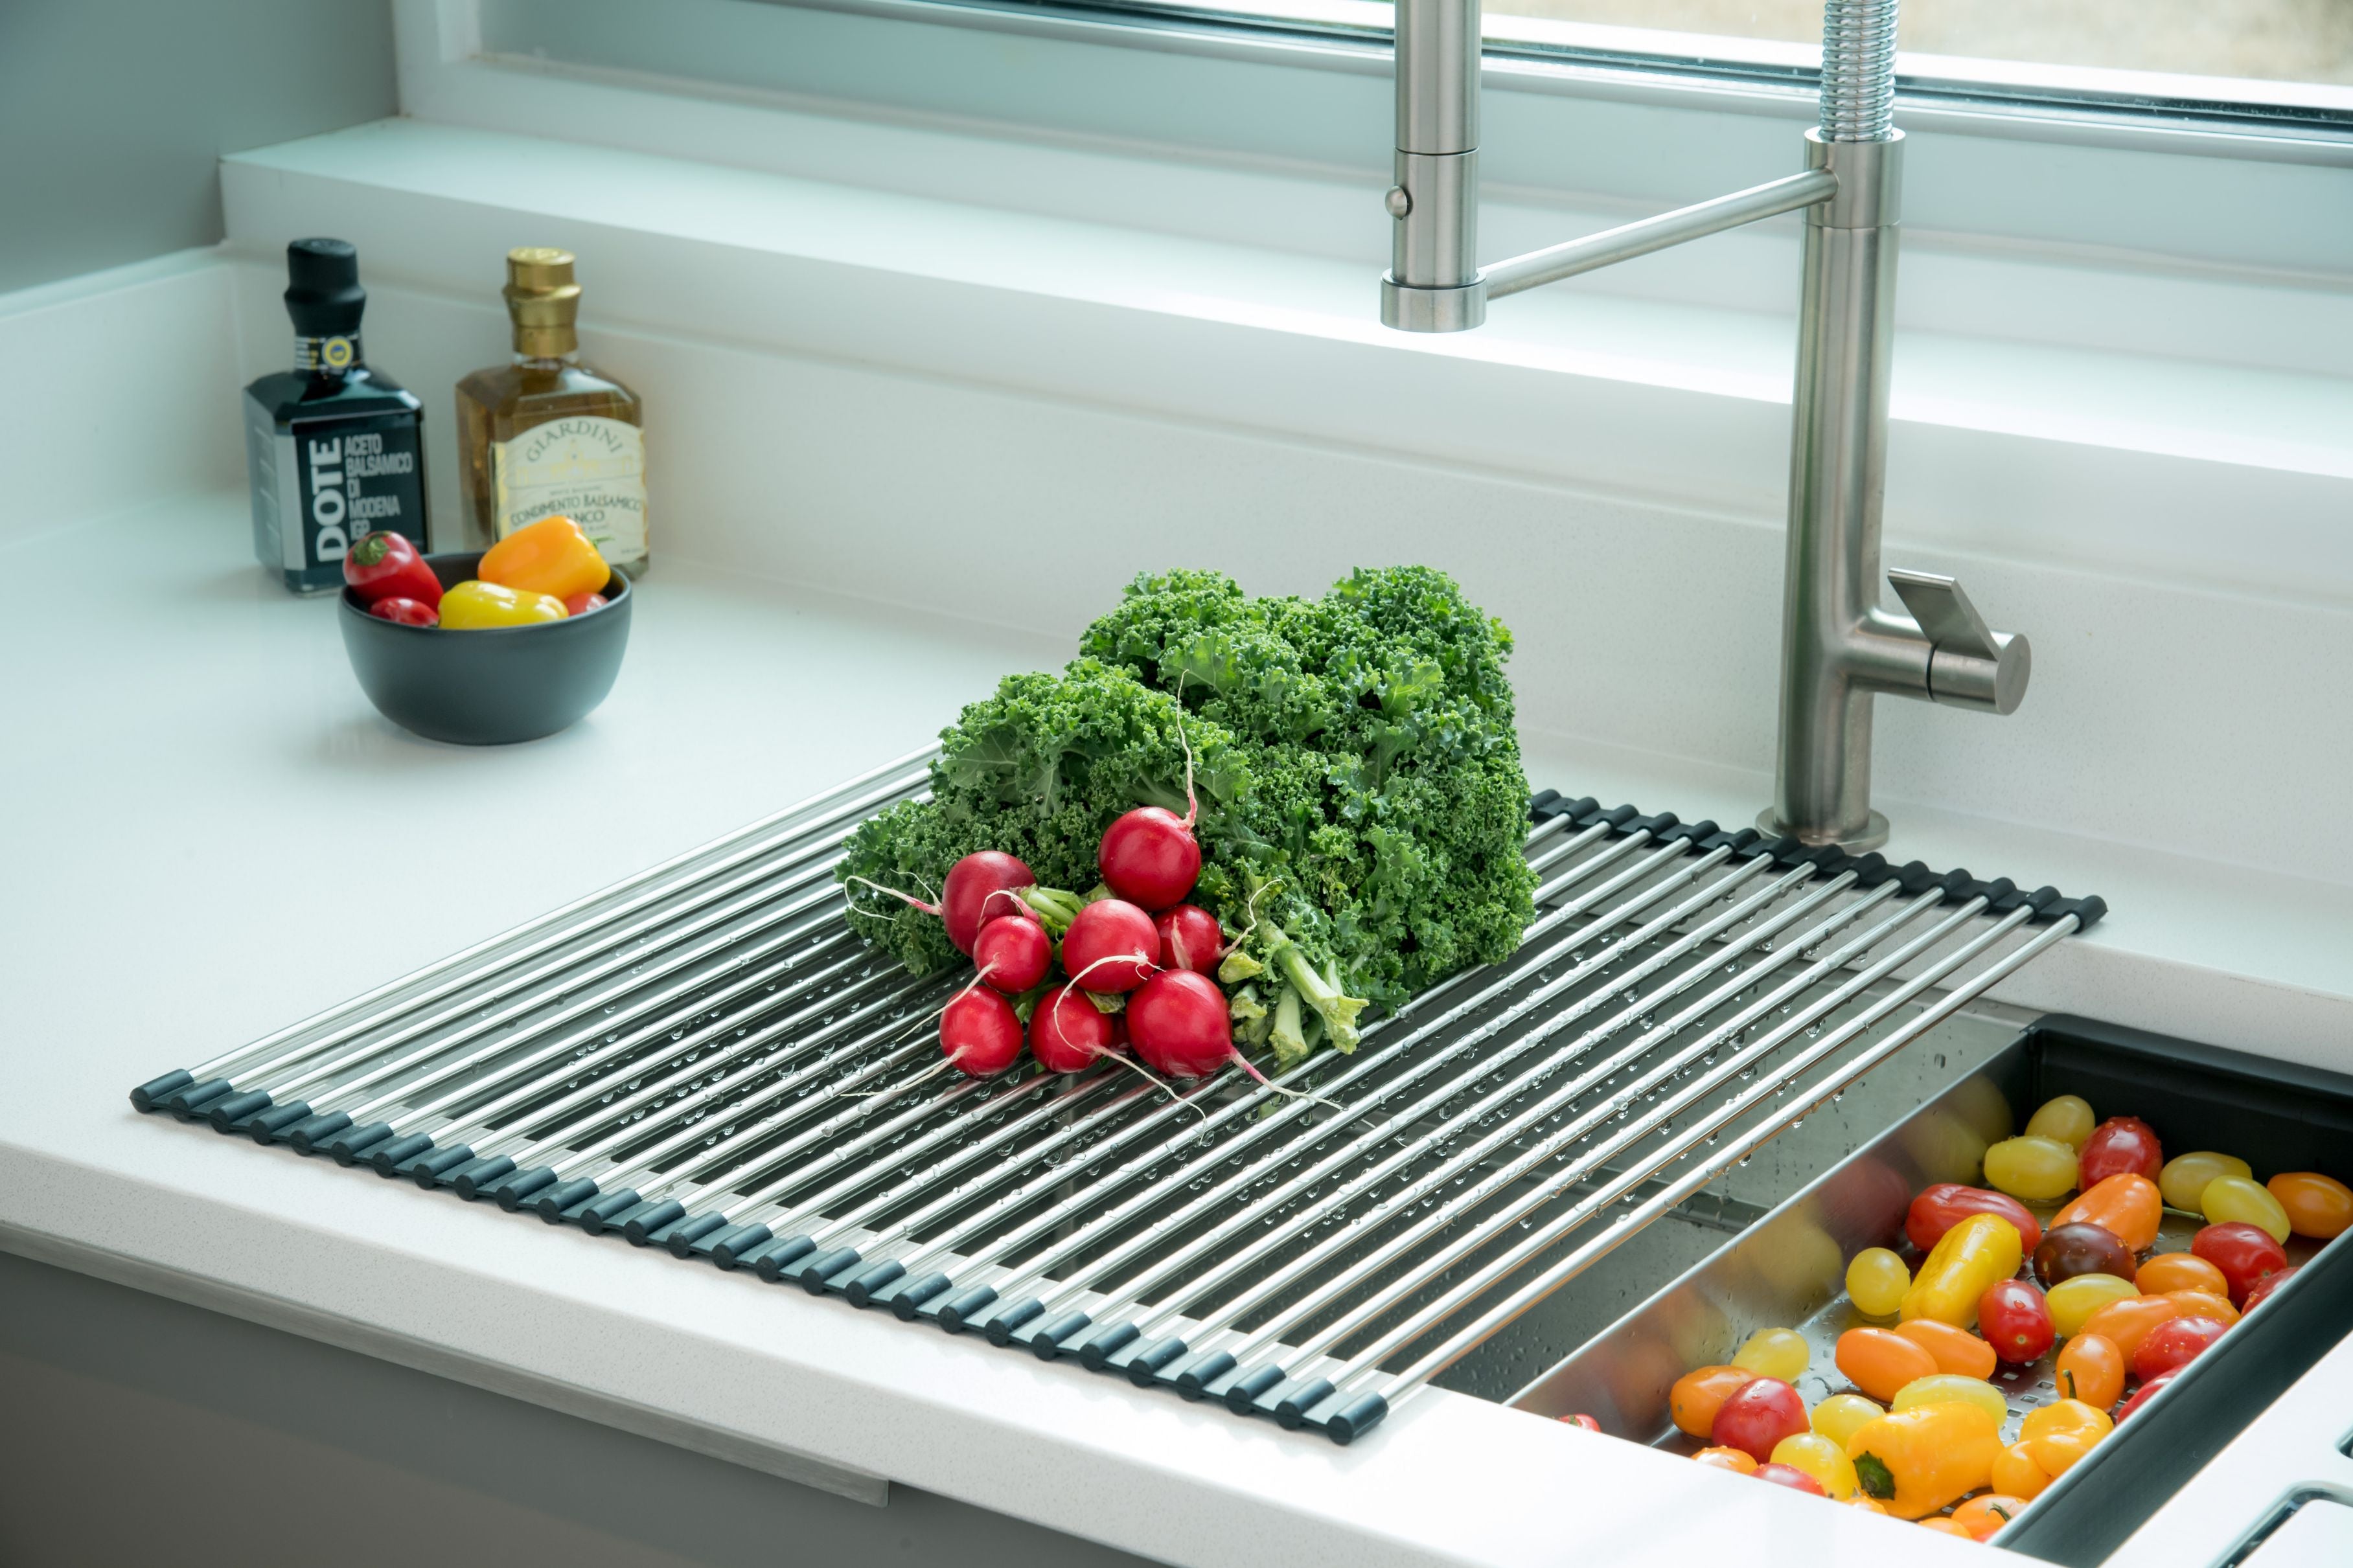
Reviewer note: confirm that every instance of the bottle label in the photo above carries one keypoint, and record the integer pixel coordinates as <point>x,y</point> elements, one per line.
<point>337,354</point>
<point>590,470</point>
<point>320,484</point>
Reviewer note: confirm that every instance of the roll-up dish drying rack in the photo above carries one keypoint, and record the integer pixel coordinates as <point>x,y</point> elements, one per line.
<point>703,1059</point>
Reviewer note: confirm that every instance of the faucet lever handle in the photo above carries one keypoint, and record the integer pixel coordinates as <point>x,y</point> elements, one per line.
<point>1944,612</point>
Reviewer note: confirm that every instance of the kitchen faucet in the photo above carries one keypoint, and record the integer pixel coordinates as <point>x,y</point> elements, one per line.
<point>1838,648</point>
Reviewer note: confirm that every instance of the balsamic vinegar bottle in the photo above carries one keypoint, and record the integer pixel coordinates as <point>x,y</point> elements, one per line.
<point>334,450</point>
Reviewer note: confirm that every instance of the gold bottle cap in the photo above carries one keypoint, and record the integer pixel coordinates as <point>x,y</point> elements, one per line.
<point>543,301</point>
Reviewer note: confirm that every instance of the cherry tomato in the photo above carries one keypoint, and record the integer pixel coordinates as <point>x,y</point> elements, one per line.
<point>2127,1205</point>
<point>406,612</point>
<point>1880,1362</point>
<point>1875,1282</point>
<point>2180,1271</point>
<point>2091,1369</point>
<point>2132,1320</point>
<point>2141,1396</point>
<point>1791,1477</point>
<point>1948,1388</point>
<point>1841,1416</point>
<point>1943,1526</point>
<point>2265,1286</point>
<point>1760,1413</point>
<point>1824,1460</point>
<point>1775,1353</point>
<point>1984,1514</point>
<point>2067,1119</point>
<point>1731,1459</point>
<point>2068,1250</point>
<point>2317,1205</point>
<point>2122,1145</point>
<point>2184,1178</point>
<point>2073,1302</point>
<point>2038,1169</point>
<point>2173,1345</point>
<point>2016,1321</point>
<point>1696,1396</point>
<point>2229,1199</point>
<point>1957,1351</point>
<point>1581,1419</point>
<point>1941,1207</point>
<point>2244,1253</point>
<point>581,604</point>
<point>2204,1304</point>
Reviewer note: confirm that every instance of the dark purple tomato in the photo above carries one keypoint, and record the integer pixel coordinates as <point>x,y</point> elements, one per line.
<point>2067,1250</point>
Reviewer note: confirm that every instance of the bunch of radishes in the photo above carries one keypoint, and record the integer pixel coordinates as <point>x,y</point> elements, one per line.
<point>1142,942</point>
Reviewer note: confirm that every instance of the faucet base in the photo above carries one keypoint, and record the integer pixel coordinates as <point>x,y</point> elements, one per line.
<point>1873,834</point>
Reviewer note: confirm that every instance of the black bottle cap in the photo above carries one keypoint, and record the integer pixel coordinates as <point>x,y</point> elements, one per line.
<point>322,288</point>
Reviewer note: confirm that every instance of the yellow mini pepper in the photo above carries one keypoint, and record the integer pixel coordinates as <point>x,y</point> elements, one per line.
<point>2059,1434</point>
<point>1975,1255</point>
<point>550,556</point>
<point>1917,1460</point>
<point>475,607</point>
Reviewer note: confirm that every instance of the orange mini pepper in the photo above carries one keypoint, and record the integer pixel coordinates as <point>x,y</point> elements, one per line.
<point>2128,1321</point>
<point>1956,1350</point>
<point>2018,1473</point>
<point>2125,1205</point>
<point>551,556</point>
<point>2058,1436</point>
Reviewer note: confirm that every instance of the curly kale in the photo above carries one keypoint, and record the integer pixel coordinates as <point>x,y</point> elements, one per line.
<point>1362,802</point>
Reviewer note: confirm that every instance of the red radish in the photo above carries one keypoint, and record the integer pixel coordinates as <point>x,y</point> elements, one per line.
<point>979,1032</point>
<point>1068,1031</point>
<point>1013,952</point>
<point>1190,937</point>
<point>1180,1026</point>
<point>1110,946</point>
<point>980,887</point>
<point>1149,857</point>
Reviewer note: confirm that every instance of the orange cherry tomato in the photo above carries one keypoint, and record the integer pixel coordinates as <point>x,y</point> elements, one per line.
<point>2317,1205</point>
<point>1696,1396</point>
<point>2180,1271</point>
<point>1956,1350</point>
<point>1880,1360</point>
<point>1986,1512</point>
<point>2204,1304</point>
<point>2091,1369</point>
<point>2126,1206</point>
<point>1733,1459</point>
<point>1944,1526</point>
<point>2128,1321</point>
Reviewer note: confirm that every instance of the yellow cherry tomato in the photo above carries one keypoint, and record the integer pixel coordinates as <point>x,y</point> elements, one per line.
<point>2183,1180</point>
<point>480,606</point>
<point>2067,1119</point>
<point>2315,1205</point>
<point>1945,1388</point>
<point>2226,1198</point>
<point>2132,1320</point>
<point>2091,1369</point>
<point>1696,1396</point>
<point>1957,1351</point>
<point>2125,1205</point>
<point>2032,1170</point>
<point>1739,1461</point>
<point>1775,1353</point>
<point>1875,1282</point>
<point>1985,1513</point>
<point>2016,1474</point>
<point>1820,1458</point>
<point>551,556</point>
<point>2180,1271</point>
<point>1841,1416</point>
<point>2073,1302</point>
<point>2059,1434</point>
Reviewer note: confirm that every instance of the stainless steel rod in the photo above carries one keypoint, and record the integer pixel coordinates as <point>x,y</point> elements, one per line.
<point>593,904</point>
<point>1503,1312</point>
<point>1627,241</point>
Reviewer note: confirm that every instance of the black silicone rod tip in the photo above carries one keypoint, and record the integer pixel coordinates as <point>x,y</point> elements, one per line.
<point>307,1137</point>
<point>1242,1395</point>
<point>264,1126</point>
<point>999,1328</point>
<point>858,1291</point>
<point>148,1095</point>
<point>771,1261</point>
<point>550,1203</point>
<point>473,1180</point>
<point>426,1170</point>
<point>911,1297</point>
<point>597,1218</point>
<point>385,1159</point>
<point>640,1227</point>
<point>1193,1382</point>
<point>1099,1350</point>
<point>1355,1418</point>
<point>692,1229</point>
<point>729,1247</point>
<point>963,1310</point>
<point>1147,1366</point>
<point>512,1193</point>
<point>818,1273</point>
<point>1291,1403</point>
<point>349,1145</point>
<point>233,1108</point>
<point>188,1103</point>
<point>1047,1343</point>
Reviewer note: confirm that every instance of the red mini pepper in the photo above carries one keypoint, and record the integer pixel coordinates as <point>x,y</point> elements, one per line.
<point>384,565</point>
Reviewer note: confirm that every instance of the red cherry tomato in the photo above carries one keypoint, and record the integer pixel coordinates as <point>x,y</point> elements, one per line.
<point>2118,1146</point>
<point>1581,1419</point>
<point>1791,1477</point>
<point>581,604</point>
<point>1759,1413</point>
<point>2265,1286</point>
<point>2141,1398</point>
<point>406,612</point>
<point>2015,1320</point>
<point>2171,1346</point>
<point>2244,1253</point>
<point>1943,1205</point>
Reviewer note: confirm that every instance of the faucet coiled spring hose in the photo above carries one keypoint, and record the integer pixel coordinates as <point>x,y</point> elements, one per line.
<point>1858,69</point>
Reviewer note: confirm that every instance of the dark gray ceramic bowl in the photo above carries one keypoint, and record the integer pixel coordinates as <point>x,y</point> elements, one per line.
<point>492,687</point>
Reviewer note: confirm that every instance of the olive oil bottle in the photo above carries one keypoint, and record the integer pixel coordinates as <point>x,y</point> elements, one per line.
<point>545,435</point>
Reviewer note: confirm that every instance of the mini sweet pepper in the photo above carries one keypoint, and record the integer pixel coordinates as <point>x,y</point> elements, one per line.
<point>2059,1434</point>
<point>1916,1462</point>
<point>1977,1253</point>
<point>384,565</point>
<point>476,606</point>
<point>550,556</point>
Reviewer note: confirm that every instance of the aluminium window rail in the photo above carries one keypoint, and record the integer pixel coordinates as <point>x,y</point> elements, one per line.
<point>703,1059</point>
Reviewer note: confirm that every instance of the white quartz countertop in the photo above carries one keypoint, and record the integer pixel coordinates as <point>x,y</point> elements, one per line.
<point>211,834</point>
